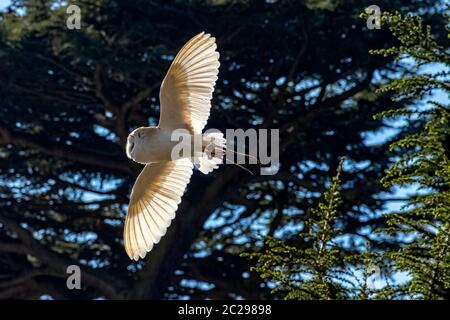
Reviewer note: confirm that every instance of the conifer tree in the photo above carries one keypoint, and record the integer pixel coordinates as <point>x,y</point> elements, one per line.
<point>423,160</point>
<point>322,267</point>
<point>316,269</point>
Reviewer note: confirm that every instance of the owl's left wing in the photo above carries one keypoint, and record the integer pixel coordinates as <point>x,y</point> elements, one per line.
<point>186,91</point>
<point>154,200</point>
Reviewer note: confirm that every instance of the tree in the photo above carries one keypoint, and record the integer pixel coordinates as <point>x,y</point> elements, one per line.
<point>70,97</point>
<point>317,268</point>
<point>423,159</point>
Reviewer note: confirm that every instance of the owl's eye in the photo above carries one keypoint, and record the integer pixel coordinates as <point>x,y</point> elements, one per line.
<point>139,134</point>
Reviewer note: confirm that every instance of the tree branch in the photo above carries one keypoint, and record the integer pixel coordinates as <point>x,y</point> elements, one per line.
<point>108,104</point>
<point>64,152</point>
<point>108,284</point>
<point>138,98</point>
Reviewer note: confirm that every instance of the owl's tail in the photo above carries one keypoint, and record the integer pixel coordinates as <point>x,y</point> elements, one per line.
<point>213,150</point>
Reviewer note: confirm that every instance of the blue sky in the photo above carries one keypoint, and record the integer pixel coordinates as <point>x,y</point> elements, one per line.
<point>4,4</point>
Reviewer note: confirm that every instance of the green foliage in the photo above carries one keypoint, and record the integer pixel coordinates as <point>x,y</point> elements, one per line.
<point>416,42</point>
<point>423,160</point>
<point>322,268</point>
<point>316,268</point>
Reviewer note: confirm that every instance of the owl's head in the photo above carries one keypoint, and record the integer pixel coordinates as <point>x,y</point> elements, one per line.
<point>135,143</point>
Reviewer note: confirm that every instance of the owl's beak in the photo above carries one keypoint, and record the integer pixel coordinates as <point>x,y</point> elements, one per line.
<point>130,147</point>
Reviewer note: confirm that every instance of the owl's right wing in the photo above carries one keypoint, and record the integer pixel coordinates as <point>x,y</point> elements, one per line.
<point>154,200</point>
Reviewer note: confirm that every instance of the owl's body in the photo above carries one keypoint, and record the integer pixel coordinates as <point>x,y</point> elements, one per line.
<point>155,144</point>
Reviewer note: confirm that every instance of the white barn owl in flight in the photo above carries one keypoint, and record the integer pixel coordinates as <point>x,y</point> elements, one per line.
<point>185,99</point>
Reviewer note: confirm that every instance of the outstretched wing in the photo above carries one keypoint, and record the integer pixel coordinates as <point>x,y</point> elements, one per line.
<point>154,200</point>
<point>186,91</point>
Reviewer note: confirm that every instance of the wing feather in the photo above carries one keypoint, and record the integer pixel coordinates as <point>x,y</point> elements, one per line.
<point>154,201</point>
<point>186,91</point>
